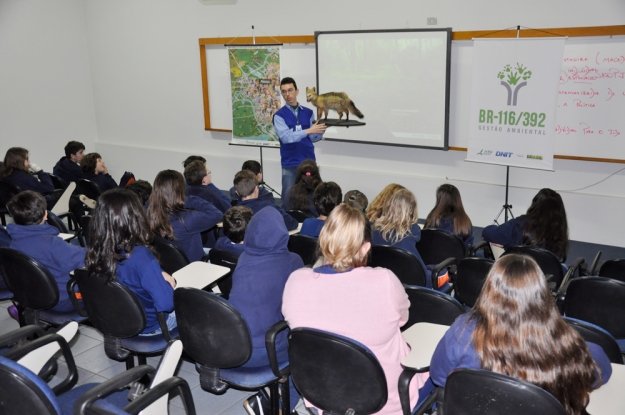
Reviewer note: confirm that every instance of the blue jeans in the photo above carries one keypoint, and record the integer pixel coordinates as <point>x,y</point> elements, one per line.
<point>288,179</point>
<point>172,323</point>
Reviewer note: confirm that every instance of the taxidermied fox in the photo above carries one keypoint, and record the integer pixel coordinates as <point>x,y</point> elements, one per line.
<point>337,101</point>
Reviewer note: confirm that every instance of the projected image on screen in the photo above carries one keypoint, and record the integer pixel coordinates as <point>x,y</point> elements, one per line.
<point>398,79</point>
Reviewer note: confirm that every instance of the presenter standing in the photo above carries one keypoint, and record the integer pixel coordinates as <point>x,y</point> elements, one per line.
<point>297,131</point>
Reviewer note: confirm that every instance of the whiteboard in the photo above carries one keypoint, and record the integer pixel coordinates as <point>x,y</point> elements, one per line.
<point>298,61</point>
<point>591,102</point>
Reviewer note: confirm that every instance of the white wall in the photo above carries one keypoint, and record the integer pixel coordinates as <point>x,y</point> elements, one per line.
<point>46,94</point>
<point>145,70</point>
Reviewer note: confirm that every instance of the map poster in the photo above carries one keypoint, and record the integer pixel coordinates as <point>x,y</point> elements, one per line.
<point>255,84</point>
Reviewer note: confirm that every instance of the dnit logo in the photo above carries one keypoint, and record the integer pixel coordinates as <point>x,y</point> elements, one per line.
<point>503,154</point>
<point>513,76</point>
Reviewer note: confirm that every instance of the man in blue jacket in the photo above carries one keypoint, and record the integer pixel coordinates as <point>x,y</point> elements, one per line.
<point>297,131</point>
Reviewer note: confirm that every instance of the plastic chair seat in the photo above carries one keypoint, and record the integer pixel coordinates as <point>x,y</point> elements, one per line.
<point>5,294</point>
<point>250,377</point>
<point>57,318</point>
<point>148,344</point>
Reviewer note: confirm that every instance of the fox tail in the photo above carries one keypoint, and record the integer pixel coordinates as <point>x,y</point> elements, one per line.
<point>354,110</point>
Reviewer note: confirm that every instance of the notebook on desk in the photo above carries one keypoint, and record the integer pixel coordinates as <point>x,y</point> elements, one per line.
<point>199,275</point>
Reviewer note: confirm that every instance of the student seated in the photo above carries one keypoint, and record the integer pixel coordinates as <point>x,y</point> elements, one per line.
<point>515,329</point>
<point>356,199</point>
<point>300,195</point>
<point>544,225</point>
<point>374,211</point>
<point>67,168</point>
<point>34,237</point>
<point>141,188</point>
<point>19,171</point>
<point>346,297</point>
<point>173,215</point>
<point>397,226</point>
<point>263,194</point>
<point>449,214</point>
<point>94,169</point>
<point>211,185</point>
<point>258,283</point>
<point>198,179</point>
<point>120,247</point>
<point>235,222</point>
<point>246,186</point>
<point>327,196</point>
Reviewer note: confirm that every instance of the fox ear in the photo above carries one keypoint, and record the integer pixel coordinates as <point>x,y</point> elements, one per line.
<point>314,88</point>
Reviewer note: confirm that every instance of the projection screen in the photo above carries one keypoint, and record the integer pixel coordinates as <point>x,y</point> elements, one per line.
<point>398,79</point>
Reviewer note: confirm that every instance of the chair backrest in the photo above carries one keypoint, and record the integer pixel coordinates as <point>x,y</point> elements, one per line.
<point>88,188</point>
<point>470,279</point>
<point>613,268</point>
<point>112,307</point>
<point>7,191</point>
<point>85,222</point>
<point>172,258</point>
<point>32,285</point>
<point>55,221</point>
<point>597,300</point>
<point>225,259</point>
<point>436,245</point>
<point>476,391</point>
<point>300,215</point>
<point>431,306</point>
<point>304,246</point>
<point>58,182</point>
<point>23,392</point>
<point>597,335</point>
<point>212,331</point>
<point>546,260</point>
<point>335,373</point>
<point>403,264</point>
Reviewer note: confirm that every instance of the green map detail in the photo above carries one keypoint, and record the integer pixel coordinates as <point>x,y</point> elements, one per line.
<point>255,83</point>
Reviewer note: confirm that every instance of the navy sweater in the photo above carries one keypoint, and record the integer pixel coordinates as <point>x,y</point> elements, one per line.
<point>263,194</point>
<point>261,273</point>
<point>457,350</point>
<point>210,194</point>
<point>42,243</point>
<point>257,204</point>
<point>26,181</point>
<point>68,170</point>
<point>105,181</point>
<point>198,216</point>
<point>225,244</point>
<point>141,273</point>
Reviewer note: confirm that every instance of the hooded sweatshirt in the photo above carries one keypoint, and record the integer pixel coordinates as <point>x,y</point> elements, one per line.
<point>263,268</point>
<point>42,243</point>
<point>68,170</point>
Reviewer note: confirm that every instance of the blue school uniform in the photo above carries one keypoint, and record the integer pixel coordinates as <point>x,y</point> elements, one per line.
<point>42,243</point>
<point>211,195</point>
<point>42,183</point>
<point>225,244</point>
<point>312,227</point>
<point>256,205</point>
<point>68,170</point>
<point>263,194</point>
<point>198,216</point>
<point>409,243</point>
<point>258,283</point>
<point>105,181</point>
<point>457,350</point>
<point>141,272</point>
<point>447,224</point>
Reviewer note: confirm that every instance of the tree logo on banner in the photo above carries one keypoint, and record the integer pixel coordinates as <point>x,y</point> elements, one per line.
<point>513,76</point>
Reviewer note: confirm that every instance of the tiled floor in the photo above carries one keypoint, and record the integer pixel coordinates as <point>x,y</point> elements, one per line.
<point>94,366</point>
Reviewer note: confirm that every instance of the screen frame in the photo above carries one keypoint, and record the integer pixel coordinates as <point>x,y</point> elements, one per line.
<point>448,30</point>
